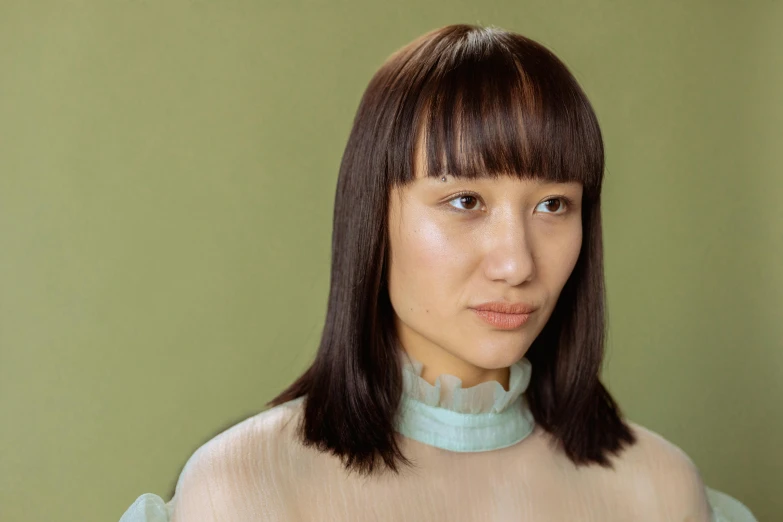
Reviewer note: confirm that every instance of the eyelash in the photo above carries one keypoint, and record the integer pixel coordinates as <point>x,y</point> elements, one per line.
<point>562,197</point>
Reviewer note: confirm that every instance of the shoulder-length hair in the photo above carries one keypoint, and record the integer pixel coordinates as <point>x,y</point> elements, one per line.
<point>487,102</point>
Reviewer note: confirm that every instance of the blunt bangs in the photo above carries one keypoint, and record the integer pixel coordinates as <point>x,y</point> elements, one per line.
<point>491,105</point>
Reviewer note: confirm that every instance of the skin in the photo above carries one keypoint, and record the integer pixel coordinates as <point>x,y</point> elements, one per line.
<point>509,240</point>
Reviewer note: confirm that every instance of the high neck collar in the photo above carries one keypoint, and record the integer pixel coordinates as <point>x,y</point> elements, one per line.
<point>480,418</point>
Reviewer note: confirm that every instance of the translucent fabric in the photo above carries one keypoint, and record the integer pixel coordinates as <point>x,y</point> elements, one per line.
<point>480,418</point>
<point>506,470</point>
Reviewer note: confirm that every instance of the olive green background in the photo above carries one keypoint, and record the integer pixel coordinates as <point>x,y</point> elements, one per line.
<point>167,174</point>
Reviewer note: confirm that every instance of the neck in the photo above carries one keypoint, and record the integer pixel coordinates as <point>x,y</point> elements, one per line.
<point>436,361</point>
<point>470,375</point>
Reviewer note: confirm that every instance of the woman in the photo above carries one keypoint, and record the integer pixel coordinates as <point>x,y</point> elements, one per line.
<point>457,378</point>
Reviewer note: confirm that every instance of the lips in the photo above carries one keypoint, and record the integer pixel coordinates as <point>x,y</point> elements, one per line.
<point>501,320</point>
<point>504,315</point>
<point>503,307</point>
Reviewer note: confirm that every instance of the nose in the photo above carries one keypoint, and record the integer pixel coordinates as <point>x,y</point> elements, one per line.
<point>509,254</point>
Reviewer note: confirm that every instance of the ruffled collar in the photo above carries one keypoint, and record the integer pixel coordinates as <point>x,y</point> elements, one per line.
<point>480,418</point>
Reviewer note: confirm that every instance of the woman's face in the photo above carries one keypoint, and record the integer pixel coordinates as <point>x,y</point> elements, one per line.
<point>506,240</point>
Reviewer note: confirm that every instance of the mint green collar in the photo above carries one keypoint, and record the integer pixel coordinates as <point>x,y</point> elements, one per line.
<point>480,418</point>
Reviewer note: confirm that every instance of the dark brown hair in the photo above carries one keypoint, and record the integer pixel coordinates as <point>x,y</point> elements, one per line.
<point>486,102</point>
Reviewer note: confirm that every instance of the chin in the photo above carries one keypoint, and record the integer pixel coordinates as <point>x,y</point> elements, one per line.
<point>496,357</point>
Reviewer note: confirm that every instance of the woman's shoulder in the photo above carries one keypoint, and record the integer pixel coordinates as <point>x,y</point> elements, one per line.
<point>245,447</point>
<point>230,473</point>
<point>659,473</point>
<point>652,447</point>
<point>264,427</point>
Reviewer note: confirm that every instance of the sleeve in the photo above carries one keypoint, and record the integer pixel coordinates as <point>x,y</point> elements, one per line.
<point>727,509</point>
<point>237,476</point>
<point>147,508</point>
<point>203,493</point>
<point>220,482</point>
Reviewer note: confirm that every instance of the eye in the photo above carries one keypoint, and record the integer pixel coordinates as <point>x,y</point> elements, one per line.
<point>469,200</point>
<point>562,202</point>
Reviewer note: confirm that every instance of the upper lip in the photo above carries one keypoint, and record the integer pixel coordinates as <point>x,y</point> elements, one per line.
<point>506,308</point>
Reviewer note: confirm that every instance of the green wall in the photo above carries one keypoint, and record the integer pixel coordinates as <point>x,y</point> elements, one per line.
<point>167,174</point>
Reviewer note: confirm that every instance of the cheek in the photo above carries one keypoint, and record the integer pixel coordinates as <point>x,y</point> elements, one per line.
<point>573,249</point>
<point>558,259</point>
<point>434,250</point>
<point>424,263</point>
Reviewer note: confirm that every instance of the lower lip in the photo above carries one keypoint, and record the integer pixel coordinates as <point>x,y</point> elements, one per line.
<point>504,321</point>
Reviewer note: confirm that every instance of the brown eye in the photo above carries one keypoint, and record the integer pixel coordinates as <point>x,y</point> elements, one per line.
<point>467,202</point>
<point>556,205</point>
